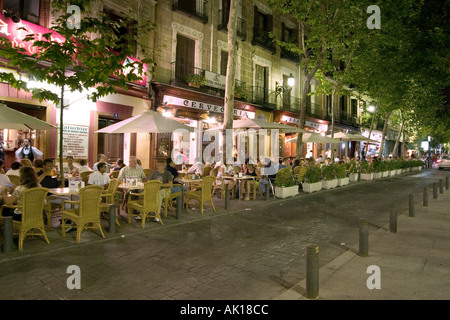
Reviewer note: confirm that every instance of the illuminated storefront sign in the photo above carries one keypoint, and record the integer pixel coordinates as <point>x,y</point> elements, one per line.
<point>318,126</point>
<point>205,106</point>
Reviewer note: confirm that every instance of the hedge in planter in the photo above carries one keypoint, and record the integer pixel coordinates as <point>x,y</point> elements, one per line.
<point>196,80</point>
<point>353,171</point>
<point>285,185</point>
<point>329,176</point>
<point>312,179</point>
<point>341,174</point>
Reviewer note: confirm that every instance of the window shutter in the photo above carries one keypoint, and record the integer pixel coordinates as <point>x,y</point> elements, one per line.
<point>255,17</point>
<point>269,23</point>
<point>283,38</point>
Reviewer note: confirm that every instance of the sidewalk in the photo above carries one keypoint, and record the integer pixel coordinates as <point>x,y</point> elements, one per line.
<point>414,262</point>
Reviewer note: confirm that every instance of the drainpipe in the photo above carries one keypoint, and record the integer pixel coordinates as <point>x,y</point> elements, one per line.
<point>212,38</point>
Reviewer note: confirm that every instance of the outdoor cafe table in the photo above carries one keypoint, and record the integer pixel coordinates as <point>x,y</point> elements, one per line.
<point>127,190</point>
<point>240,180</point>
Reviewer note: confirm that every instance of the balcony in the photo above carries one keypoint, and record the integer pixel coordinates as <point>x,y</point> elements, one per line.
<point>349,119</point>
<point>289,55</point>
<point>241,31</point>
<point>193,8</point>
<point>290,103</point>
<point>264,97</point>
<point>262,39</point>
<point>178,79</point>
<point>313,110</point>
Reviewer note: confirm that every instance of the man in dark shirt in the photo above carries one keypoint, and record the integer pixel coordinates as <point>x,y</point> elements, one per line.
<point>48,181</point>
<point>170,166</point>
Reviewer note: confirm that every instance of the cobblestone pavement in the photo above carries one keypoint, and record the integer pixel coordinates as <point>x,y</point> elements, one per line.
<point>255,251</point>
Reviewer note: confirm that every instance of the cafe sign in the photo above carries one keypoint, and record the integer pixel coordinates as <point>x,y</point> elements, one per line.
<point>205,106</point>
<point>215,80</point>
<point>315,125</point>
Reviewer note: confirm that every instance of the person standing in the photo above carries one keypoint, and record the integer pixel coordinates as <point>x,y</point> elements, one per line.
<point>310,154</point>
<point>2,148</point>
<point>28,151</point>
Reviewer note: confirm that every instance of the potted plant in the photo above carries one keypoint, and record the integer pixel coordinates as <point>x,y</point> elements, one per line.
<point>329,177</point>
<point>285,185</point>
<point>353,171</point>
<point>391,167</point>
<point>240,93</point>
<point>195,80</point>
<point>341,174</point>
<point>366,170</point>
<point>312,180</point>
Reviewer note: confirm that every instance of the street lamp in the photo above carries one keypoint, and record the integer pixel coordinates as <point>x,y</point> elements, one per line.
<point>280,89</point>
<point>371,109</point>
<point>291,80</point>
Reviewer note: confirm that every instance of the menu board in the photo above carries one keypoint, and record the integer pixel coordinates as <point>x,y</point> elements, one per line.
<point>75,141</point>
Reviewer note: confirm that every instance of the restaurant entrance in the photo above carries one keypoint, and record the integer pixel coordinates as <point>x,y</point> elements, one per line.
<point>110,144</point>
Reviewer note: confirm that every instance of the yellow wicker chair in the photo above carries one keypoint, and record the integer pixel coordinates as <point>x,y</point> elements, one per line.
<point>32,219</point>
<point>148,204</point>
<point>87,214</point>
<point>203,195</point>
<point>301,173</point>
<point>115,174</point>
<point>15,180</point>
<point>170,197</point>
<point>109,197</point>
<point>85,176</point>
<point>147,172</point>
<point>206,171</point>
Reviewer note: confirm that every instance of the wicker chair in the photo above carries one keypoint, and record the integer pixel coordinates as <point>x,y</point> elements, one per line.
<point>85,176</point>
<point>147,172</point>
<point>168,199</point>
<point>148,204</point>
<point>32,206</point>
<point>15,180</point>
<point>300,173</point>
<point>115,174</point>
<point>87,214</point>
<point>109,197</point>
<point>206,171</point>
<point>203,195</point>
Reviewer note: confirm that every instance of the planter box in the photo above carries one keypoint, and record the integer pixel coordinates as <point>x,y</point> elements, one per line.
<point>285,192</point>
<point>353,177</point>
<point>329,184</point>
<point>366,176</point>
<point>392,173</point>
<point>404,170</point>
<point>418,168</point>
<point>398,171</point>
<point>377,175</point>
<point>343,182</point>
<point>385,174</point>
<point>193,85</point>
<point>312,187</point>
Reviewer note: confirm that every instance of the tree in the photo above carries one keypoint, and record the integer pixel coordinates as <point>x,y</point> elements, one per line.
<point>231,74</point>
<point>91,58</point>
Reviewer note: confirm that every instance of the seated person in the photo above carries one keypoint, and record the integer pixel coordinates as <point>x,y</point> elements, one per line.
<point>132,170</point>
<point>5,186</point>
<point>269,172</point>
<point>100,177</point>
<point>102,158</point>
<point>26,162</point>
<point>249,171</point>
<point>281,165</point>
<point>119,165</point>
<point>197,167</point>
<point>47,180</point>
<point>38,165</point>
<point>161,174</point>
<point>15,169</point>
<point>28,180</point>
<point>69,168</point>
<point>170,166</point>
<point>82,168</point>
<point>296,164</point>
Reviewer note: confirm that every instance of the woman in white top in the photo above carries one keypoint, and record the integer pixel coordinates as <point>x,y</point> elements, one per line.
<point>82,168</point>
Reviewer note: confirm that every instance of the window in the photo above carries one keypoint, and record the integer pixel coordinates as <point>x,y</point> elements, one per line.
<point>224,14</point>
<point>354,106</point>
<point>129,30</point>
<point>185,58</point>
<point>27,10</point>
<point>286,92</point>
<point>223,62</point>
<point>263,25</point>
<point>193,8</point>
<point>328,103</point>
<point>261,83</point>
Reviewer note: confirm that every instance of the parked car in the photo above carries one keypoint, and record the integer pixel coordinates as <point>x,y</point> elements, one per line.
<point>444,162</point>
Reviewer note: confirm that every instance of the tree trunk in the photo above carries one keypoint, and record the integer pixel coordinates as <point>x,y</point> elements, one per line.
<point>372,126</point>
<point>397,141</point>
<point>230,82</point>
<point>333,108</point>
<point>383,138</point>
<point>61,157</point>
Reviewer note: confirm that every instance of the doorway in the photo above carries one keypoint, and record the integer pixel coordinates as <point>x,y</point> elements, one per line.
<point>109,144</point>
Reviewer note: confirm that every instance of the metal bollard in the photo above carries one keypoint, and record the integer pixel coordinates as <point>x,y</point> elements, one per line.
<point>435,191</point>
<point>312,271</point>
<point>112,218</point>
<point>446,183</point>
<point>441,186</point>
<point>179,206</point>
<point>7,234</point>
<point>227,198</point>
<point>267,192</point>
<point>393,219</point>
<point>412,209</point>
<point>425,196</point>
<point>363,237</point>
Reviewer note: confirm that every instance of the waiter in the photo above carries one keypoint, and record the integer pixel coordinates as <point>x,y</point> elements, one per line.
<point>28,152</point>
<point>2,151</point>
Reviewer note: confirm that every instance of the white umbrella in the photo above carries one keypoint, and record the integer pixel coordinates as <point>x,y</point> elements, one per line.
<point>351,137</point>
<point>260,124</point>
<point>147,122</point>
<point>314,138</point>
<point>13,119</point>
